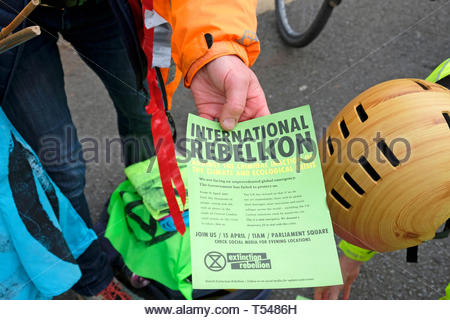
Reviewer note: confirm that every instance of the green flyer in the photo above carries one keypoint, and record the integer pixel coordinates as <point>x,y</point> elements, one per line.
<point>258,214</point>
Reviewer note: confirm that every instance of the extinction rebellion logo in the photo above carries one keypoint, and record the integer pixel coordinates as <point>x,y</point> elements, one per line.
<point>216,261</point>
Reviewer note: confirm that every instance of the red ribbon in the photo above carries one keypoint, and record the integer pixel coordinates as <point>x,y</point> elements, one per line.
<point>165,154</point>
<point>162,136</point>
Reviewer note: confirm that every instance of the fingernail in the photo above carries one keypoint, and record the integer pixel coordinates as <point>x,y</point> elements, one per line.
<point>228,124</point>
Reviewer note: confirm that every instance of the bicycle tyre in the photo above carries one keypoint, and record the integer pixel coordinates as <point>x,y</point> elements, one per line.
<point>301,38</point>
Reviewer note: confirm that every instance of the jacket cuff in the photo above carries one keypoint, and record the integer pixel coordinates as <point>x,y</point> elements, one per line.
<point>218,49</point>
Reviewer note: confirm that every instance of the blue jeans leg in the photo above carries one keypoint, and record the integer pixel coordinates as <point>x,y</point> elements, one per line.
<point>36,104</point>
<point>95,34</point>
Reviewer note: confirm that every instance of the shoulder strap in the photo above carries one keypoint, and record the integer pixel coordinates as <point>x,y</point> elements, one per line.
<point>445,82</point>
<point>411,254</point>
<point>444,233</point>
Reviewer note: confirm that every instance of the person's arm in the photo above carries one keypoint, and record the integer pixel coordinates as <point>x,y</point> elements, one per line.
<point>214,44</point>
<point>350,271</point>
<point>351,260</point>
<point>204,30</point>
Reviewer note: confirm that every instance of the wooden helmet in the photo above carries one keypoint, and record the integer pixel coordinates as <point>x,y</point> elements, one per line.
<point>386,164</point>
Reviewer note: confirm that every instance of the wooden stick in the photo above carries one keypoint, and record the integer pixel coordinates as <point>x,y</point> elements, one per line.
<point>18,38</point>
<point>19,18</point>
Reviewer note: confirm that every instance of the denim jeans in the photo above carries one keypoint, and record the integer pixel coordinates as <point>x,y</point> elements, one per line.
<point>36,104</point>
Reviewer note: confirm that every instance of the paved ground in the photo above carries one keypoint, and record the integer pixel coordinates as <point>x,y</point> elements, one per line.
<point>364,43</point>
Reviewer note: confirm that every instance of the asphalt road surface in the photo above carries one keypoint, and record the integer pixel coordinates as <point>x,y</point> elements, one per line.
<point>364,43</point>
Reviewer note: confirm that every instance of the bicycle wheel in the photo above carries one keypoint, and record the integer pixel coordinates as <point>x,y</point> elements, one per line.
<point>300,21</point>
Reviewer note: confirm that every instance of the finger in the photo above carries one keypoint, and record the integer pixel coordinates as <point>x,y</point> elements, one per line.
<point>256,103</point>
<point>346,293</point>
<point>263,110</point>
<point>334,293</point>
<point>206,116</point>
<point>260,101</point>
<point>255,109</point>
<point>236,90</point>
<point>209,111</point>
<point>321,293</point>
<point>318,294</point>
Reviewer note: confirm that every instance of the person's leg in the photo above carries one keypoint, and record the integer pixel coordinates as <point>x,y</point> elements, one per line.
<point>36,104</point>
<point>94,33</point>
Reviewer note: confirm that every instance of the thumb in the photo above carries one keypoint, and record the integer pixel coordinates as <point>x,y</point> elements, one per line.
<point>236,90</point>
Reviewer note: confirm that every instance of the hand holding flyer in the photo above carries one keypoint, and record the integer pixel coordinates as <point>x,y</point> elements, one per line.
<point>258,214</point>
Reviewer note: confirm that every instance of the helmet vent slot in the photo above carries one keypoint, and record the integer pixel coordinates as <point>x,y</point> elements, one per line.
<point>361,113</point>
<point>330,146</point>
<point>424,86</point>
<point>353,184</point>
<point>340,199</point>
<point>344,129</point>
<point>447,118</point>
<point>369,169</point>
<point>387,152</point>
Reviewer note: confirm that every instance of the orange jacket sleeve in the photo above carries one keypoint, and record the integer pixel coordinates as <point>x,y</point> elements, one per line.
<point>230,24</point>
